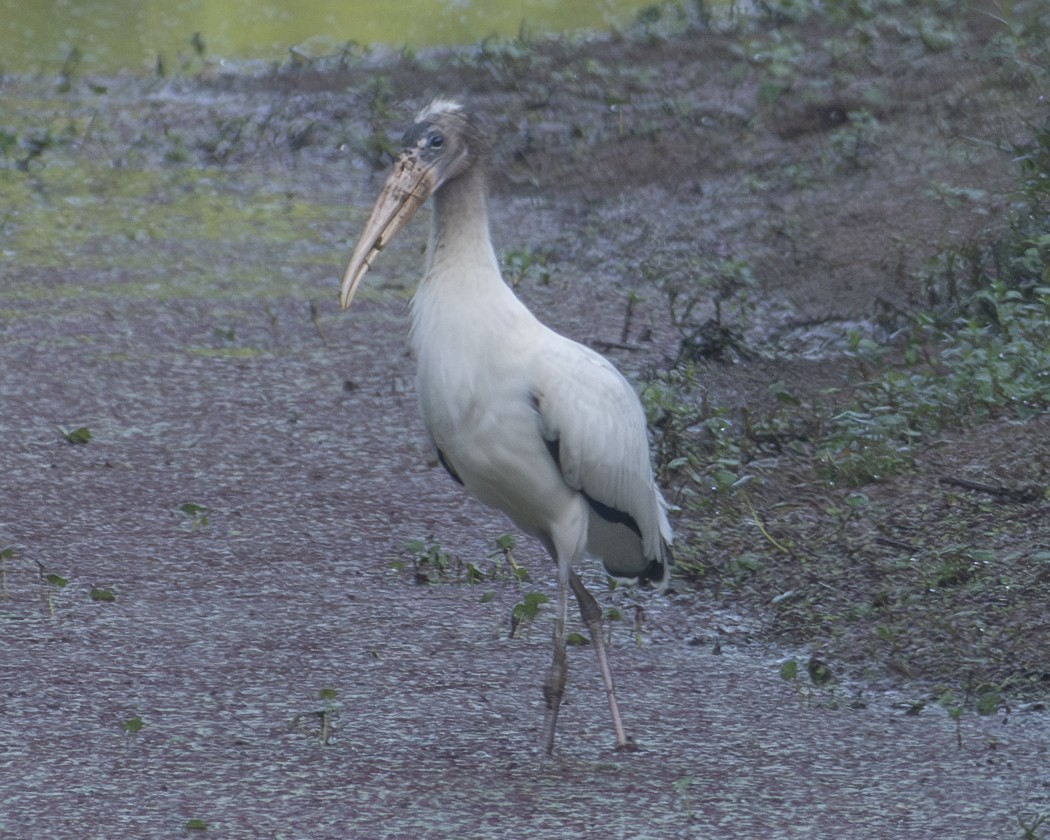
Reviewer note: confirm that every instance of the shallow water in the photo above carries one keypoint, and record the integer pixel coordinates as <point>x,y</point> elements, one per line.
<point>111,35</point>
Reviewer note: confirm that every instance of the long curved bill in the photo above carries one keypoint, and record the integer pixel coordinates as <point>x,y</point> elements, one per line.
<point>409,185</point>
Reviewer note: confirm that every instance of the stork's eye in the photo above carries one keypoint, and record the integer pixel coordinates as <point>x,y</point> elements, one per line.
<point>436,141</point>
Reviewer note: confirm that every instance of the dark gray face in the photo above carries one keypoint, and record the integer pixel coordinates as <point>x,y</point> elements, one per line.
<point>426,139</point>
<point>447,143</point>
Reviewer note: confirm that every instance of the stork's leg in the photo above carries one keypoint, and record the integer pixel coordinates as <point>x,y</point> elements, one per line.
<point>554,685</point>
<point>592,617</point>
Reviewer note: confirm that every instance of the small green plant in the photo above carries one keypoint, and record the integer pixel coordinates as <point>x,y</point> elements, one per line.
<point>682,787</point>
<point>518,264</point>
<point>609,616</point>
<point>50,584</point>
<point>503,559</point>
<point>525,612</point>
<point>819,671</point>
<point>429,559</point>
<point>329,706</point>
<point>75,437</point>
<point>106,596</point>
<point>431,562</point>
<point>510,60</point>
<point>8,552</point>
<point>988,699</point>
<point>855,142</point>
<point>955,710</point>
<point>1030,824</point>
<point>377,148</point>
<point>133,725</point>
<point>711,305</point>
<point>67,75</point>
<point>325,715</point>
<point>196,514</point>
<point>196,824</point>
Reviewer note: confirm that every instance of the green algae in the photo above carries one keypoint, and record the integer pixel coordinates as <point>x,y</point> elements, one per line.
<point>160,234</point>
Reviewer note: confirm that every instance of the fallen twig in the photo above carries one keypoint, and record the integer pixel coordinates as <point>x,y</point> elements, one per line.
<point>891,543</point>
<point>1022,495</point>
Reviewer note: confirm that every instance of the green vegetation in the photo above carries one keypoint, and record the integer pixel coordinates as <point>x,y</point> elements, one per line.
<point>433,564</point>
<point>7,553</point>
<point>197,515</point>
<point>526,610</point>
<point>325,716</point>
<point>926,586</point>
<point>133,725</point>
<point>76,436</point>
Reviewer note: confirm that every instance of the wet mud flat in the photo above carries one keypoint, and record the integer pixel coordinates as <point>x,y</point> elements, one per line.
<point>257,467</point>
<point>221,637</point>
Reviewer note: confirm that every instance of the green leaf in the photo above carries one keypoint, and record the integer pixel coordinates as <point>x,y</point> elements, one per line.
<point>786,397</point>
<point>133,725</point>
<point>577,639</point>
<point>506,542</point>
<point>328,693</point>
<point>857,500</point>
<point>197,513</point>
<point>915,708</point>
<point>488,596</point>
<point>536,599</point>
<point>819,671</point>
<point>789,670</point>
<point>105,595</point>
<point>76,436</point>
<point>56,580</point>
<point>196,824</point>
<point>682,783</point>
<point>988,699</point>
<point>529,607</point>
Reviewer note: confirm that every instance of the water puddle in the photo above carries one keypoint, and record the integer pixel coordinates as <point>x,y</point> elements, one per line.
<point>183,34</point>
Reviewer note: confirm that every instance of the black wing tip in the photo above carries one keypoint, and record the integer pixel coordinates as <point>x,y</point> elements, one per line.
<point>658,573</point>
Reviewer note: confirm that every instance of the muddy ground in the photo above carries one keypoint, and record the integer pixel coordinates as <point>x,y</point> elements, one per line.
<point>168,280</point>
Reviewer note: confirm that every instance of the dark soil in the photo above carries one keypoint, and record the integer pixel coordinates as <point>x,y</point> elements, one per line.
<point>169,262</point>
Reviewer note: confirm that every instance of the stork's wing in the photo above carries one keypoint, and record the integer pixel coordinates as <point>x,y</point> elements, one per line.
<point>595,426</point>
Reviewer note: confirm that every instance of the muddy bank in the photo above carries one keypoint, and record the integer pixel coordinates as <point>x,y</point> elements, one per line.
<point>222,636</point>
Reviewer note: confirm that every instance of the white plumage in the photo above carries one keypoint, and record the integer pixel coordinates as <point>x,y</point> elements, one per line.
<point>530,422</point>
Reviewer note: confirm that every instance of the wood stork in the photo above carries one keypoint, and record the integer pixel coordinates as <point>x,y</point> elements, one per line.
<point>528,421</point>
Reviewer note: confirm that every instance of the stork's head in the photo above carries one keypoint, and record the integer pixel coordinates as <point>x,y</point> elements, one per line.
<point>441,145</point>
